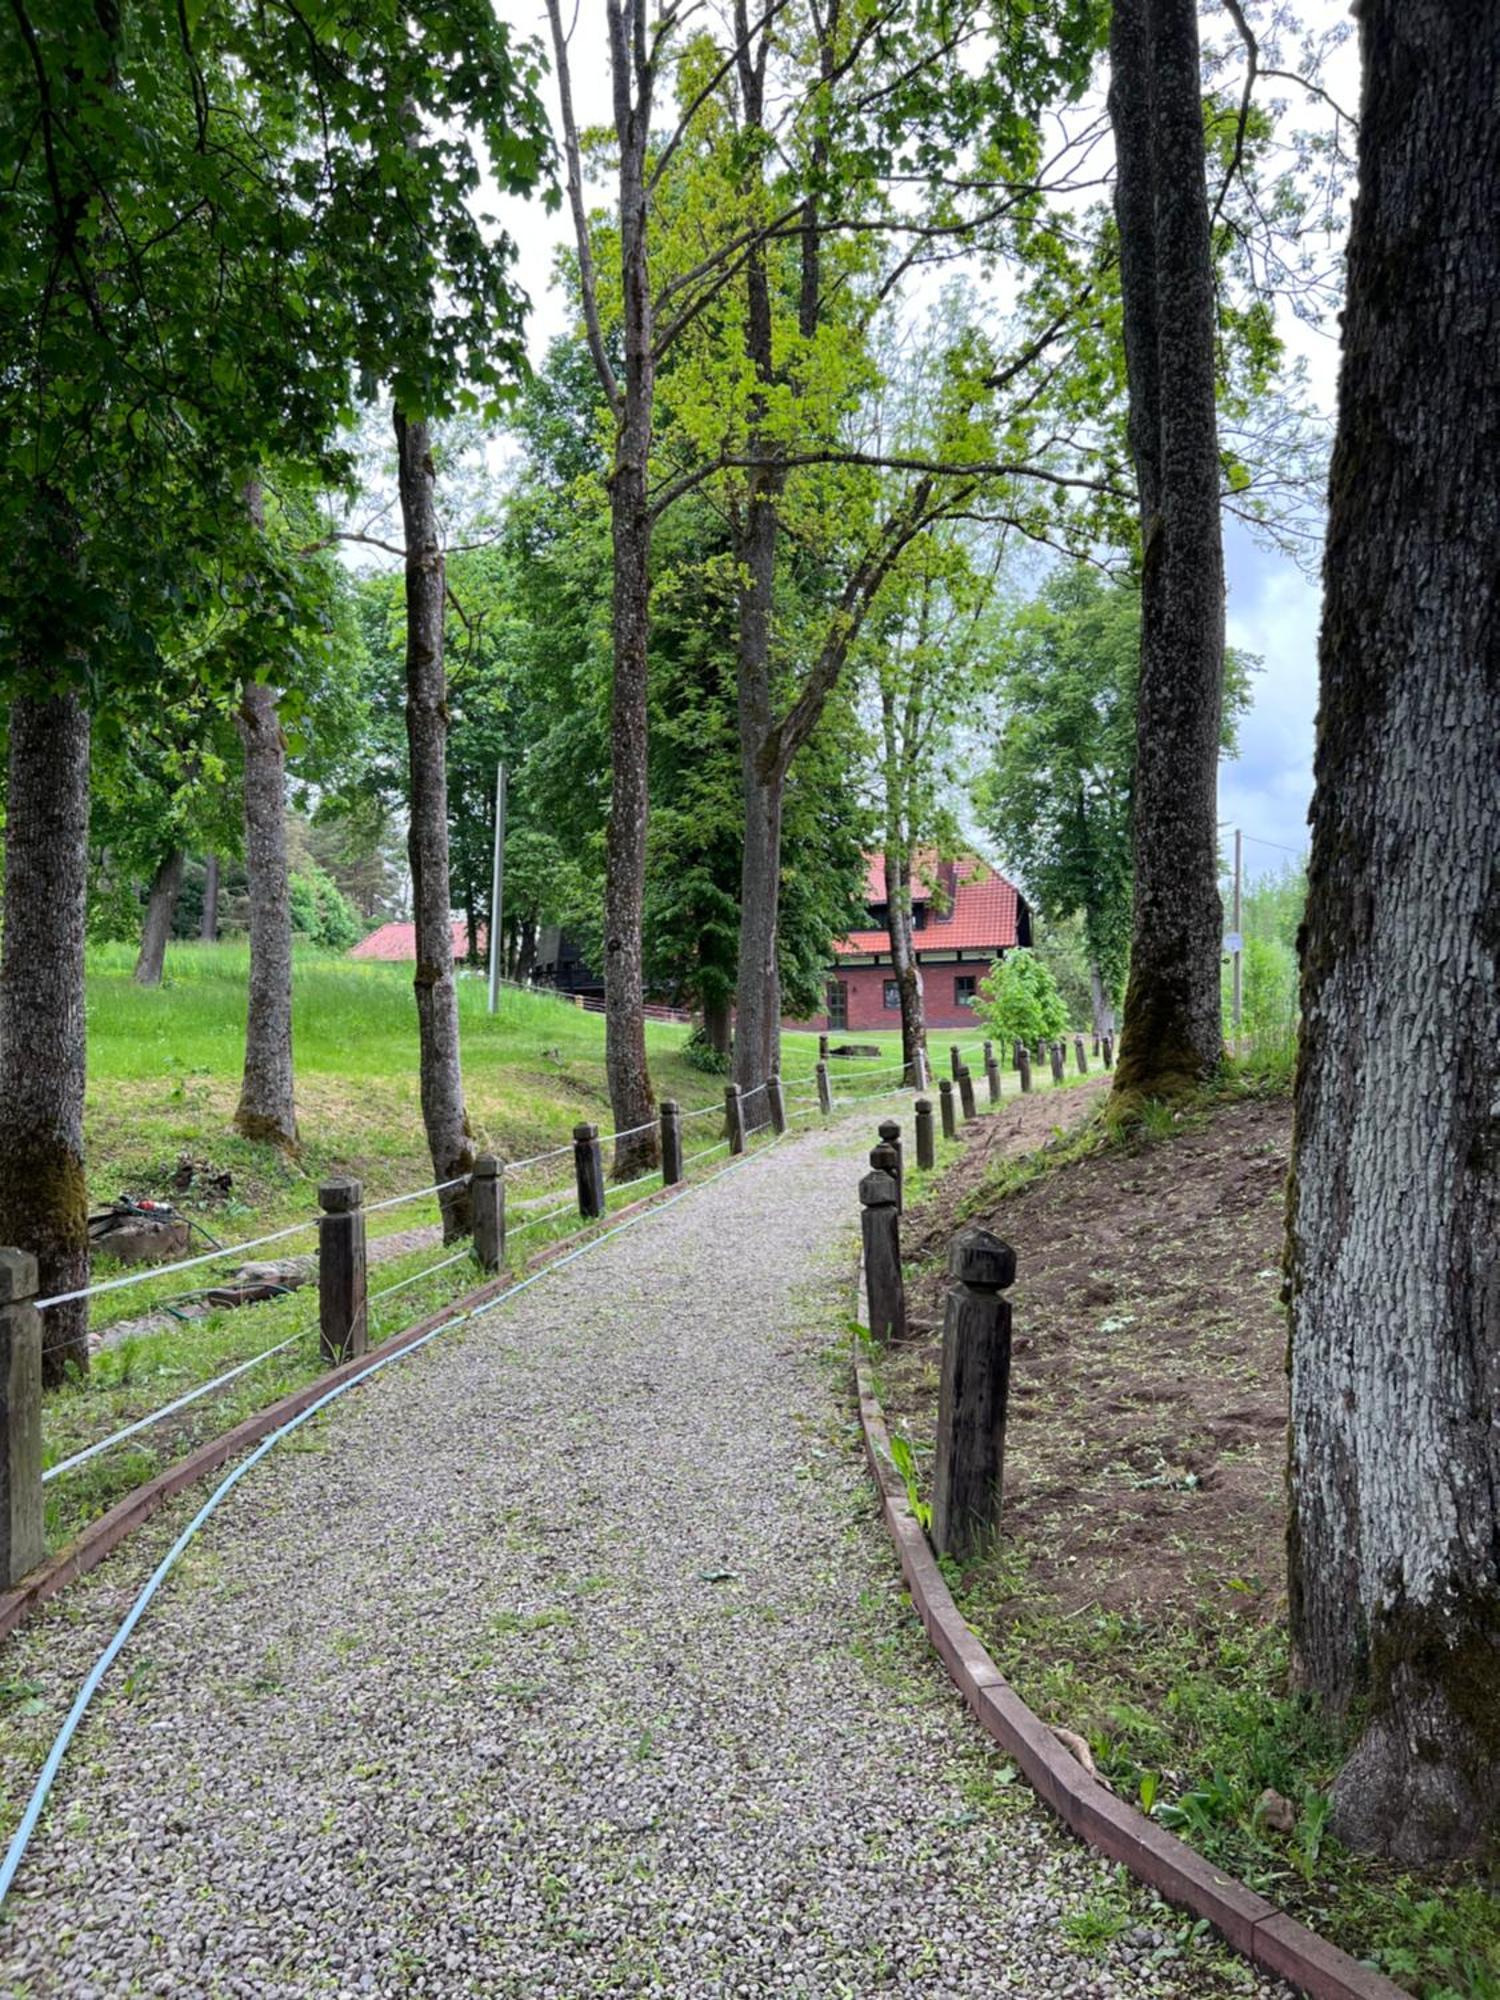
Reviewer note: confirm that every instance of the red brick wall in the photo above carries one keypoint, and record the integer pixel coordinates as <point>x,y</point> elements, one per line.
<point>867,1011</point>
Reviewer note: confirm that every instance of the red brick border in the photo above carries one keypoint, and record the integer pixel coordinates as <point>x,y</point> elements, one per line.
<point>1255,1927</point>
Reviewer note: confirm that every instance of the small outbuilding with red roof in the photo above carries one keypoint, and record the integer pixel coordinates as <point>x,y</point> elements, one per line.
<point>965,915</point>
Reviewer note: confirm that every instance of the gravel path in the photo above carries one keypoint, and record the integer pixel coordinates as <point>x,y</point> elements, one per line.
<point>565,1659</point>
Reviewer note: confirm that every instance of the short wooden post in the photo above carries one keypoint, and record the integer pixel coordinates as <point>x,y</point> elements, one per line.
<point>343,1318</point>
<point>822,1048</point>
<point>969,1468</point>
<point>920,1080</point>
<point>671,1142</point>
<point>1016,1053</point>
<point>1109,1051</point>
<point>1023,1064</point>
<point>734,1117</point>
<point>23,1541</point>
<point>588,1171</point>
<point>881,1227</point>
<point>955,1061</point>
<point>992,1076</point>
<point>488,1190</point>
<point>1058,1064</point>
<point>777,1104</point>
<point>945,1098</point>
<point>1079,1056</point>
<point>966,1093</point>
<point>989,1054</point>
<point>825,1094</point>
<point>1095,1049</point>
<point>926,1138</point>
<point>890,1135</point>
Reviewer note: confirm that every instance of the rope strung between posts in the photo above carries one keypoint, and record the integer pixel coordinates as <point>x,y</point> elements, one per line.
<point>395,1200</point>
<point>428,1271</point>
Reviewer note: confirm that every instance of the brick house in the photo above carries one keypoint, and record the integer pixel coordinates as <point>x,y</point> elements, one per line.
<point>965,915</point>
<point>396,944</point>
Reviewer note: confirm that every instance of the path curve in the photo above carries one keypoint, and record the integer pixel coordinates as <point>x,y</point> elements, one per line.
<point>567,1659</point>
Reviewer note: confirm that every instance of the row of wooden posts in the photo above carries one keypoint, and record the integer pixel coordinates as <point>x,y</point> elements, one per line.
<point>973,1394</point>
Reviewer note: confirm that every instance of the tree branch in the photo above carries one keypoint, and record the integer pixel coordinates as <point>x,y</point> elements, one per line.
<point>587,282</point>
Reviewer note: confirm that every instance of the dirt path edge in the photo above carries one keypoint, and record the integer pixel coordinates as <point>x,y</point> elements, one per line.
<point>1252,1925</point>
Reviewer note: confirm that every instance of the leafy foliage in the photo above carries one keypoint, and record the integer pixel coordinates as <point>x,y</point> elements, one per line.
<point>1019,1000</point>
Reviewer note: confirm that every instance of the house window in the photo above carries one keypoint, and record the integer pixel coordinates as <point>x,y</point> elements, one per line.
<point>919,916</point>
<point>892,993</point>
<point>963,988</point>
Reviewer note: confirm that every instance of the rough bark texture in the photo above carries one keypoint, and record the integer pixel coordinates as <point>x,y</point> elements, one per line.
<point>43,1199</point>
<point>266,1108</point>
<point>1394,1254</point>
<point>208,928</point>
<point>1100,1003</point>
<point>903,952</point>
<point>718,1025</point>
<point>1172,1033</point>
<point>443,1115</point>
<point>156,929</point>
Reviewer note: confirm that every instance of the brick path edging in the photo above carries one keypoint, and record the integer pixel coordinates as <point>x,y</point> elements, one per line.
<point>1254,1926</point>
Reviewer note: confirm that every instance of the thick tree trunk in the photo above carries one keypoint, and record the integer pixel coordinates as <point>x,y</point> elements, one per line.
<point>267,1108</point>
<point>1394,1253</point>
<point>43,1198</point>
<point>903,953</point>
<point>157,926</point>
<point>526,952</point>
<point>208,928</point>
<point>449,1139</point>
<point>757,1021</point>
<point>718,1025</point>
<point>1172,1035</point>
<point>1099,999</point>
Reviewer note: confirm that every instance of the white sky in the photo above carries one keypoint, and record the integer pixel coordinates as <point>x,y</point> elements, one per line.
<point>1273,608</point>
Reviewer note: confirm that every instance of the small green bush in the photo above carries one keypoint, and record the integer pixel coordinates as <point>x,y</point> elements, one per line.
<point>321,911</point>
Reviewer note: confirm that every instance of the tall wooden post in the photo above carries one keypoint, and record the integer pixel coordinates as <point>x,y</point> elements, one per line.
<point>966,1093</point>
<point>343,1315</point>
<point>588,1171</point>
<point>1058,1065</point>
<point>945,1098</point>
<point>881,1228</point>
<point>890,1135</point>
<point>23,1541</point>
<point>825,1094</point>
<point>926,1138</point>
<point>969,1469</point>
<point>1079,1056</point>
<point>992,1075</point>
<point>1023,1064</point>
<point>671,1142</point>
<point>487,1188</point>
<point>776,1101</point>
<point>734,1117</point>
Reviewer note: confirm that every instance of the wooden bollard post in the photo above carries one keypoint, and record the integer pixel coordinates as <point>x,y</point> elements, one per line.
<point>881,1227</point>
<point>825,1094</point>
<point>966,1093</point>
<point>776,1103</point>
<point>671,1142</point>
<point>1079,1056</point>
<point>1095,1049</point>
<point>1109,1051</point>
<point>945,1098</point>
<point>992,1076</point>
<point>955,1061</point>
<point>1016,1053</point>
<point>969,1468</point>
<point>926,1138</point>
<point>1023,1064</point>
<point>23,1541</point>
<point>734,1117</point>
<point>343,1319</point>
<point>822,1048</point>
<point>588,1170</point>
<point>989,1053</point>
<point>488,1190</point>
<point>890,1135</point>
<point>1058,1064</point>
<point>921,1078</point>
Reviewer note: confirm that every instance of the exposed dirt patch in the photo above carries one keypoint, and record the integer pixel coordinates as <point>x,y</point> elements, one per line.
<point>1146,1445</point>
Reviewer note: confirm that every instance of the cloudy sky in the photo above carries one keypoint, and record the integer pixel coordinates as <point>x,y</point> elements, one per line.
<point>1273,608</point>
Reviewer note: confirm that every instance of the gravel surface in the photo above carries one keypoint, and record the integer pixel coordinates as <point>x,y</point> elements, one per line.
<point>566,1658</point>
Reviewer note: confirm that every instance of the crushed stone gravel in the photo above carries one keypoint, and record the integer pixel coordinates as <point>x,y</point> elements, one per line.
<point>566,1659</point>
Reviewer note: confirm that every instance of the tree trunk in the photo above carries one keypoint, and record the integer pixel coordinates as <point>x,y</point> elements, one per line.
<point>1172,1035</point>
<point>718,1025</point>
<point>1100,1001</point>
<point>757,1025</point>
<point>208,928</point>
<point>526,954</point>
<point>449,1139</point>
<point>267,1109</point>
<point>1394,1251</point>
<point>43,1198</point>
<point>157,927</point>
<point>903,954</point>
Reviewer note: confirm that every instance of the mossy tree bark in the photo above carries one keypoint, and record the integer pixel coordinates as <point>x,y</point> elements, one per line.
<point>449,1139</point>
<point>1394,1252</point>
<point>156,927</point>
<point>1172,1034</point>
<point>43,1198</point>
<point>267,1107</point>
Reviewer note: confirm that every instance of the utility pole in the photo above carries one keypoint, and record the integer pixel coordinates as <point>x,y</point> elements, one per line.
<point>1238,956</point>
<point>497,892</point>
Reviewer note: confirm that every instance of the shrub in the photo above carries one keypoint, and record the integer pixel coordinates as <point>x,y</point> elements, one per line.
<point>321,912</point>
<point>1019,1001</point>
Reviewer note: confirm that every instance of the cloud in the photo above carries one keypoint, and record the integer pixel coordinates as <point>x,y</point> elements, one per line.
<point>1265,789</point>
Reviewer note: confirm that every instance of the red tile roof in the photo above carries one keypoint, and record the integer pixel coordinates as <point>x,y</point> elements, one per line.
<point>985,911</point>
<point>396,944</point>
